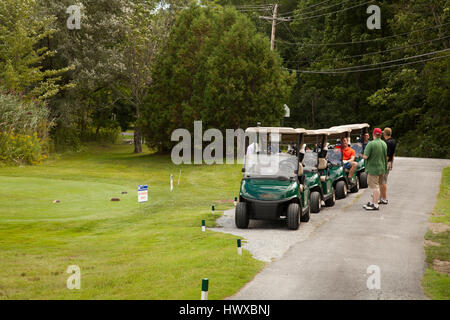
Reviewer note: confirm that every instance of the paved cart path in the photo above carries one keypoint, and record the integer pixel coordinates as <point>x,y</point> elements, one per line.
<point>332,262</point>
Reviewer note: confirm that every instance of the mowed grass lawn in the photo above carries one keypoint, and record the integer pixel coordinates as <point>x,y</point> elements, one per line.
<point>125,250</point>
<point>437,284</point>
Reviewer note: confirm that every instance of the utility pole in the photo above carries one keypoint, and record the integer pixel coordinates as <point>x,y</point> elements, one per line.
<point>274,25</point>
<point>274,19</point>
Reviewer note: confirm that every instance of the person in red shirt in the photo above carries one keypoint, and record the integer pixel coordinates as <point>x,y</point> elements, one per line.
<point>348,157</point>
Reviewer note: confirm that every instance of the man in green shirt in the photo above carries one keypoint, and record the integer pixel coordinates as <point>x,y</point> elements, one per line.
<point>375,154</point>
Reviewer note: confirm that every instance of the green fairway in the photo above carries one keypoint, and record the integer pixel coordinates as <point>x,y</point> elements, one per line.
<point>125,250</point>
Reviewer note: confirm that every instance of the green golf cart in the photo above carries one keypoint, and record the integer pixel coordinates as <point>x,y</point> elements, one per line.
<point>273,184</point>
<point>357,131</point>
<point>338,174</point>
<point>316,170</point>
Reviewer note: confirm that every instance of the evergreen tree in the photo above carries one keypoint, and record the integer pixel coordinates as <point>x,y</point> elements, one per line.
<point>22,53</point>
<point>218,69</point>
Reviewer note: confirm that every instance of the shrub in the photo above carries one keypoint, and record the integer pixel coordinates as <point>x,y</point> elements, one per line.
<point>22,149</point>
<point>70,138</point>
<point>102,135</point>
<point>23,130</point>
<point>66,138</point>
<point>24,117</point>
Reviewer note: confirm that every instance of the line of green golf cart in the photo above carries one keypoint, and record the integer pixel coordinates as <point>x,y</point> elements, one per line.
<point>288,173</point>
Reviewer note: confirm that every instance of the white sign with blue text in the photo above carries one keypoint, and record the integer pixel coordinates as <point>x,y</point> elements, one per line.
<point>143,193</point>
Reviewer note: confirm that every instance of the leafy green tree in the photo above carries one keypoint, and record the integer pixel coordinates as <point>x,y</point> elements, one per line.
<point>338,98</point>
<point>22,52</point>
<point>410,98</point>
<point>112,54</point>
<point>146,27</point>
<point>218,69</point>
<point>414,99</point>
<point>92,51</point>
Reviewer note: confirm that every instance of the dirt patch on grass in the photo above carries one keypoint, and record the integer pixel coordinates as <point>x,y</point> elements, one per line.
<point>34,279</point>
<point>224,201</point>
<point>429,243</point>
<point>439,227</point>
<point>441,266</point>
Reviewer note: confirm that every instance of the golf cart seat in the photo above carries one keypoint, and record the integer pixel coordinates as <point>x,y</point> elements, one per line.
<point>300,169</point>
<point>316,138</point>
<point>322,164</point>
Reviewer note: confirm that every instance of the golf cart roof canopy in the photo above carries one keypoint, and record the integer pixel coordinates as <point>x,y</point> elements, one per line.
<point>282,130</point>
<point>338,132</point>
<point>318,132</point>
<point>359,127</point>
<point>311,136</point>
<point>288,135</point>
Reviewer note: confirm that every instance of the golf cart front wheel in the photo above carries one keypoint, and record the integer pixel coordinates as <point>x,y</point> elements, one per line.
<point>315,201</point>
<point>241,217</point>
<point>341,189</point>
<point>363,180</point>
<point>293,216</point>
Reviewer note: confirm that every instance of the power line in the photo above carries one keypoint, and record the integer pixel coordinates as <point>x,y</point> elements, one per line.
<point>312,6</point>
<point>252,5</point>
<point>337,11</point>
<point>255,8</point>
<point>336,71</point>
<point>361,41</point>
<point>391,61</point>
<point>317,10</point>
<point>317,4</point>
<point>251,9</point>
<point>371,53</point>
<point>289,30</point>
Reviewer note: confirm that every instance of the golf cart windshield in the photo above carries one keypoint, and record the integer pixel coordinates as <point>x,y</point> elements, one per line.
<point>310,161</point>
<point>276,166</point>
<point>335,156</point>
<point>358,147</point>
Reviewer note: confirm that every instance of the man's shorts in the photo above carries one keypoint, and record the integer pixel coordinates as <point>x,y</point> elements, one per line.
<point>348,165</point>
<point>385,176</point>
<point>374,181</point>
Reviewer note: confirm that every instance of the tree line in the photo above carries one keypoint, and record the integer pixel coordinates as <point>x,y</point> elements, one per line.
<point>155,66</point>
<point>410,95</point>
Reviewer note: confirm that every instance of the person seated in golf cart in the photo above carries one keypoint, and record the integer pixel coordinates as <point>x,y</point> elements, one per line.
<point>365,140</point>
<point>292,149</point>
<point>348,157</point>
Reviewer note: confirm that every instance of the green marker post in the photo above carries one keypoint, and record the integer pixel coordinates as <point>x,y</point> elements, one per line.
<point>205,283</point>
